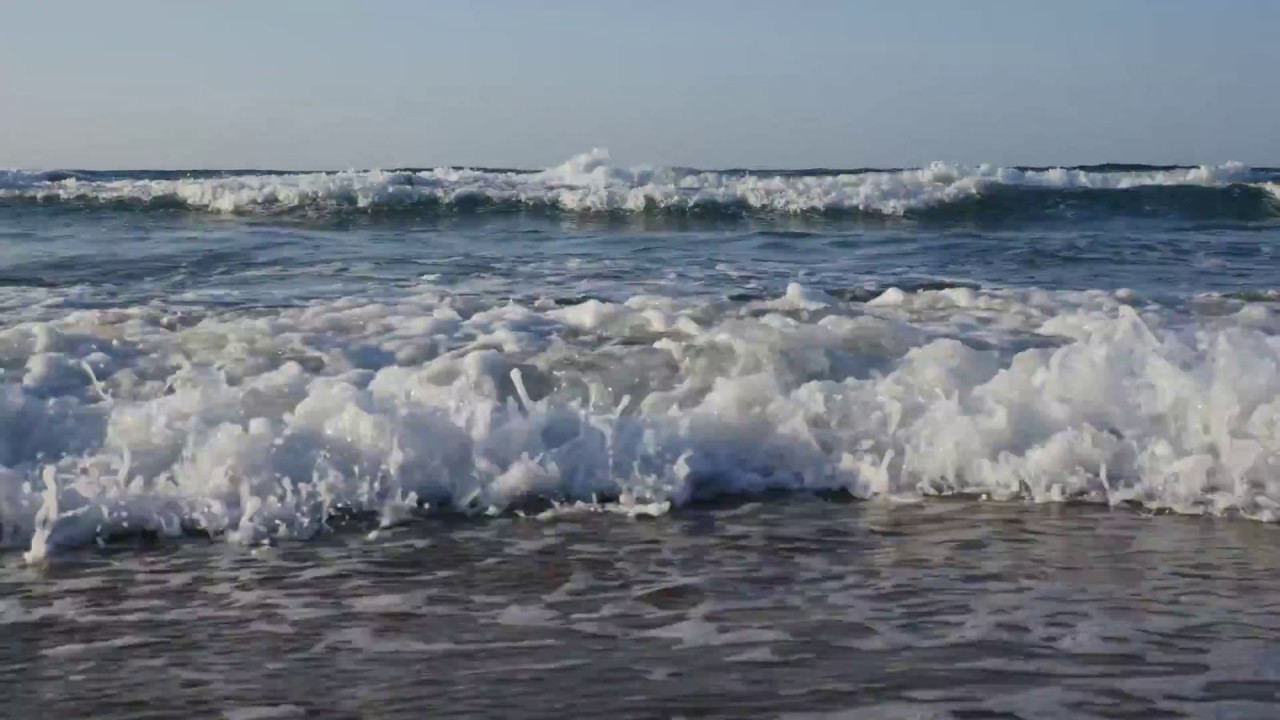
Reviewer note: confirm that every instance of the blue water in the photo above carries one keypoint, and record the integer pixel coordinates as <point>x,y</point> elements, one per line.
<point>133,256</point>
<point>893,443</point>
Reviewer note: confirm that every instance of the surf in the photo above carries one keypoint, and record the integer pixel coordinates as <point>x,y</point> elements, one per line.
<point>588,185</point>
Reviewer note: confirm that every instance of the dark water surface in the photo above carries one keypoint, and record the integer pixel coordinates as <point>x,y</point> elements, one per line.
<point>795,607</point>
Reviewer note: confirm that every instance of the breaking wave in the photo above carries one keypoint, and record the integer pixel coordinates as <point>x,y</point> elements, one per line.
<point>588,184</point>
<point>253,425</point>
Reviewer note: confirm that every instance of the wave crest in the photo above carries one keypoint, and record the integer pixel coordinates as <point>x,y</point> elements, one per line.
<point>587,183</point>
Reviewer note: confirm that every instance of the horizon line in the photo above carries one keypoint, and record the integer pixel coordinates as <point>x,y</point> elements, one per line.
<point>1112,166</point>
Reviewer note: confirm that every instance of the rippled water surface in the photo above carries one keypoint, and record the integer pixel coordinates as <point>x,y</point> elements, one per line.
<point>772,607</point>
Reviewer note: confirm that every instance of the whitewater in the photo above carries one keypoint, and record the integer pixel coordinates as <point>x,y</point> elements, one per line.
<point>991,418</point>
<point>587,183</point>
<point>249,427</point>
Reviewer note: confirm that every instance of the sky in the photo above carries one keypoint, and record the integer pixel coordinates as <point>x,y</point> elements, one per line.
<point>336,84</point>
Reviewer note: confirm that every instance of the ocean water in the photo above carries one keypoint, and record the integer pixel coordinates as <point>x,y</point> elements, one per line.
<point>948,442</point>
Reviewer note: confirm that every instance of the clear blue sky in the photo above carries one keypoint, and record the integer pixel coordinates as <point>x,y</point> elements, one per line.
<point>710,83</point>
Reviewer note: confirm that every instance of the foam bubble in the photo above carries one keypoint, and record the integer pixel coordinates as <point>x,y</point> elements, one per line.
<point>253,426</point>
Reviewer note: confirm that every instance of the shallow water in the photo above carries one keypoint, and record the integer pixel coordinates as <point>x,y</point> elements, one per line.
<point>953,442</point>
<point>772,607</point>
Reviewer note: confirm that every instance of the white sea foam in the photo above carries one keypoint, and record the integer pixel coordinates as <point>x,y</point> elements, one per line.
<point>252,425</point>
<point>588,183</point>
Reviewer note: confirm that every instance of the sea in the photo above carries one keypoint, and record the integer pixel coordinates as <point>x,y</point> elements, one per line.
<point>641,442</point>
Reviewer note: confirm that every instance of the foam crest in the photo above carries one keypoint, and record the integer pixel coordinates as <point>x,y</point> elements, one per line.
<point>587,183</point>
<point>258,426</point>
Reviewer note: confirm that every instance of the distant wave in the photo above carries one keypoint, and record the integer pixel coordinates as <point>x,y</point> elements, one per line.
<point>588,184</point>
